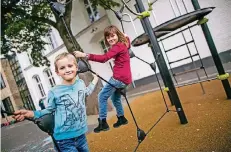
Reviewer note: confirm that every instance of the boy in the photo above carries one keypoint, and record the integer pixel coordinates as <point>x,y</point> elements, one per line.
<point>68,102</point>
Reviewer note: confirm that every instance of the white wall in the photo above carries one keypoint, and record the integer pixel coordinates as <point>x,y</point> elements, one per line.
<point>219,24</point>
<point>79,19</point>
<point>90,43</point>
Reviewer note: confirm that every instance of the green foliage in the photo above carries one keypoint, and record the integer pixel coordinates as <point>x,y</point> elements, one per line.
<point>24,28</point>
<point>105,3</point>
<point>26,23</point>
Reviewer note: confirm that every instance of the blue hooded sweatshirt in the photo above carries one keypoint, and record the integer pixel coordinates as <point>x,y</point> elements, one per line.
<point>68,102</point>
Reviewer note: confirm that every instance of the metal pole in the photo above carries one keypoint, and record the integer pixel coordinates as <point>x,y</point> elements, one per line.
<point>165,83</point>
<point>162,65</point>
<point>214,52</point>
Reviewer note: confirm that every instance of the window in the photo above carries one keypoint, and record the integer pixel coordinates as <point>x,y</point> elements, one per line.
<point>21,82</point>
<point>93,13</point>
<point>2,82</point>
<point>50,41</point>
<point>29,57</point>
<point>12,60</point>
<point>28,103</point>
<point>3,114</point>
<point>105,49</point>
<point>49,77</point>
<point>7,105</point>
<point>39,85</point>
<point>103,46</point>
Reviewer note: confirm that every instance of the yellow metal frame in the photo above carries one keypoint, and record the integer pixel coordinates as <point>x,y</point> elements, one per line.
<point>166,89</point>
<point>202,21</point>
<point>144,14</point>
<point>223,76</point>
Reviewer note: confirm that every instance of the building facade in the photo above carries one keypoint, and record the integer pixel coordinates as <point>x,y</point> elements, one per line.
<point>88,24</point>
<point>14,91</point>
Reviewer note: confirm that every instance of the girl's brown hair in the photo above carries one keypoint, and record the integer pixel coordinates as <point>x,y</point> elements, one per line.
<point>114,30</point>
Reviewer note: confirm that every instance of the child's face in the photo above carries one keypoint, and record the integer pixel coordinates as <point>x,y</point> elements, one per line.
<point>66,68</point>
<point>112,39</point>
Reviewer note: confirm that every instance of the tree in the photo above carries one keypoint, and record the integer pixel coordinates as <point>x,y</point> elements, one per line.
<point>25,23</point>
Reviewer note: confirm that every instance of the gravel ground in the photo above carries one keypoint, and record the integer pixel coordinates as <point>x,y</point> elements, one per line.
<point>208,128</point>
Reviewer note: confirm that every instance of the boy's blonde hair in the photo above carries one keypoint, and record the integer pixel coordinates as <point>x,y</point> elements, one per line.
<point>61,56</point>
<point>114,30</point>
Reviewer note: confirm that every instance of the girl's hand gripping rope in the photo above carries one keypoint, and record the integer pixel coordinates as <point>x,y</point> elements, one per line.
<point>79,54</point>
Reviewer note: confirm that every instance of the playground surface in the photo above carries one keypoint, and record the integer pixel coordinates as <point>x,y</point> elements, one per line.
<point>208,128</point>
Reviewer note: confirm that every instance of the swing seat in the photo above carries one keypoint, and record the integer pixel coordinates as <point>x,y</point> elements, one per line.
<point>131,53</point>
<point>46,123</point>
<point>83,66</point>
<point>122,91</point>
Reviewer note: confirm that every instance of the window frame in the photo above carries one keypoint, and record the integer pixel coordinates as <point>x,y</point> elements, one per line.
<point>49,77</point>
<point>50,41</point>
<point>39,85</point>
<point>3,84</point>
<point>8,106</point>
<point>104,48</point>
<point>29,57</point>
<point>89,5</point>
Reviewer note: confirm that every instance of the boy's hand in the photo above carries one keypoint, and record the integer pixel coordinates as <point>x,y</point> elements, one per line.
<point>95,79</point>
<point>79,54</point>
<point>20,115</point>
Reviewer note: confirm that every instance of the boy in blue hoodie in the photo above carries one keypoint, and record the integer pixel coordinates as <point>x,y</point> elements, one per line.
<point>68,101</point>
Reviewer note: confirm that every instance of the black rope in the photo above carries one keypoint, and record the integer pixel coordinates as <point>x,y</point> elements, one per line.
<point>153,70</point>
<point>111,84</point>
<point>137,146</point>
<point>6,112</point>
<point>118,89</point>
<point>122,93</point>
<point>164,99</point>
<point>156,122</point>
<point>121,22</point>
<point>158,81</point>
<point>140,133</point>
<point>71,38</point>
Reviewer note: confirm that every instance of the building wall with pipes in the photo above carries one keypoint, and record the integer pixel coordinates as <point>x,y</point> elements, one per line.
<point>10,95</point>
<point>164,10</point>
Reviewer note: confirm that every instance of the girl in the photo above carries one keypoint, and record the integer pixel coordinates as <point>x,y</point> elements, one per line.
<point>119,46</point>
